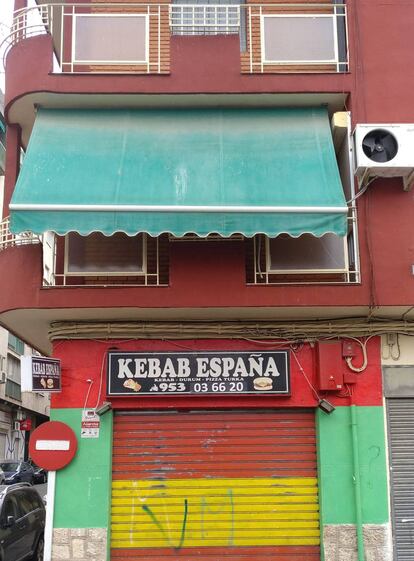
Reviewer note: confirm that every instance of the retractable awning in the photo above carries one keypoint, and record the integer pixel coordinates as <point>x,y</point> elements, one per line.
<point>248,171</point>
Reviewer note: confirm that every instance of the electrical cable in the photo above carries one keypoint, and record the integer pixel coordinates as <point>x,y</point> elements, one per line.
<point>90,382</point>
<point>100,381</point>
<point>363,344</point>
<point>362,191</point>
<point>318,397</point>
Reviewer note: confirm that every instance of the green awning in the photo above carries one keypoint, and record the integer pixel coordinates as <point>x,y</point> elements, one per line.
<point>248,171</point>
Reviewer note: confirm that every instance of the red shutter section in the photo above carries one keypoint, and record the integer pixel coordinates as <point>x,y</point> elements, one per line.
<point>215,487</point>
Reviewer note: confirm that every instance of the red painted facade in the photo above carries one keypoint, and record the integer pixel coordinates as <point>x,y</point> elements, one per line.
<point>86,360</point>
<point>212,275</point>
<point>378,91</point>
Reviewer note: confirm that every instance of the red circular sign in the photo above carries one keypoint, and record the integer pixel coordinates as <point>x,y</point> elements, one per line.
<point>53,445</point>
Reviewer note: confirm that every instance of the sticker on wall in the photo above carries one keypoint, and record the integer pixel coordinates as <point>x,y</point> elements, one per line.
<point>90,424</point>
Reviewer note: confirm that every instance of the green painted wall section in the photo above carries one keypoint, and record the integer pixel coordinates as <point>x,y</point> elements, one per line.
<point>83,488</point>
<point>336,470</point>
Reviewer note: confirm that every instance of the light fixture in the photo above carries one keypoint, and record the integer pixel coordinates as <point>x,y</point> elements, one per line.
<point>104,408</point>
<point>326,406</point>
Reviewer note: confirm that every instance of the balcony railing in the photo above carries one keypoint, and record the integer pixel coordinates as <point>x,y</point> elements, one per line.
<point>135,37</point>
<point>7,239</point>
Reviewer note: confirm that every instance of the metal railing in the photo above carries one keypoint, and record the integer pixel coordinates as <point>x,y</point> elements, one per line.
<point>7,239</point>
<point>150,27</point>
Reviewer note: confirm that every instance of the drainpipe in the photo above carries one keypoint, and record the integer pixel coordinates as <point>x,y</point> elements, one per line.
<point>357,485</point>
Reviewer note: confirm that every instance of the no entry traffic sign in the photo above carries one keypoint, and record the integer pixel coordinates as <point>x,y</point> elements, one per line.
<point>53,445</point>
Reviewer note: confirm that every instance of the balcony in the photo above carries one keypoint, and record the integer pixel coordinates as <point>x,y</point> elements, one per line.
<point>135,38</point>
<point>7,239</point>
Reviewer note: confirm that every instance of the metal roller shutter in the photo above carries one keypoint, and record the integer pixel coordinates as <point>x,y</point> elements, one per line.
<point>401,446</point>
<point>215,487</point>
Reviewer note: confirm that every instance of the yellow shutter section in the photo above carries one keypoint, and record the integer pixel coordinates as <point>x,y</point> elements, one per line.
<point>217,485</point>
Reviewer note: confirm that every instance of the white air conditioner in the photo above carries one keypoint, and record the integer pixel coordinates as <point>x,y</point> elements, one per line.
<point>384,150</point>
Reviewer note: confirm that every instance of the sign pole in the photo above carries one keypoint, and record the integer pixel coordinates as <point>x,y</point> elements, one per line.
<point>50,508</point>
<point>52,446</point>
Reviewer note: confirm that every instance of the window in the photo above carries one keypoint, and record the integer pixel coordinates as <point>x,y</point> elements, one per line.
<point>299,39</point>
<point>16,344</point>
<point>98,260</point>
<point>303,260</point>
<point>306,254</point>
<point>110,38</point>
<point>13,380</point>
<point>13,390</point>
<point>13,368</point>
<point>9,509</point>
<point>2,131</point>
<point>189,17</point>
<point>27,501</point>
<point>97,254</point>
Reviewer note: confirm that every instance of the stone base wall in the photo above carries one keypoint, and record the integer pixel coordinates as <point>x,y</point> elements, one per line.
<point>79,544</point>
<point>340,542</point>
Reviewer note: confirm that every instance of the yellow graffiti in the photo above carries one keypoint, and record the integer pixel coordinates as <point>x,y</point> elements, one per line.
<point>180,513</point>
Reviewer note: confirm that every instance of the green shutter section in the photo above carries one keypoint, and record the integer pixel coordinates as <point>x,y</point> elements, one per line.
<point>226,171</point>
<point>336,470</point>
<point>83,487</point>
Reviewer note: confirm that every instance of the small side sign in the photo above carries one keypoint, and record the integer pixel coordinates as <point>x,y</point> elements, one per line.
<point>91,423</point>
<point>41,374</point>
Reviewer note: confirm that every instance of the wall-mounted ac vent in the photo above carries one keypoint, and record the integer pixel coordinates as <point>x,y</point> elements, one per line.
<point>384,150</point>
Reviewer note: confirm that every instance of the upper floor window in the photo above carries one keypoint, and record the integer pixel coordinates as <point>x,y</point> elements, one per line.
<point>97,254</point>
<point>110,39</point>
<point>189,17</point>
<point>306,259</point>
<point>97,260</point>
<point>306,254</point>
<point>299,39</point>
<point>13,381</point>
<point>16,344</point>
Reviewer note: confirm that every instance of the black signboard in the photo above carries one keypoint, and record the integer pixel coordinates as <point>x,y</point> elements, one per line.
<point>40,374</point>
<point>200,373</point>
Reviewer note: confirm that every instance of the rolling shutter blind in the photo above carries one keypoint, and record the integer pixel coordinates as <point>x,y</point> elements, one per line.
<point>215,486</point>
<point>401,446</point>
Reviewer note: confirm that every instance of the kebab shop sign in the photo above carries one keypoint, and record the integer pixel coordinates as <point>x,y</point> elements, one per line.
<point>40,374</point>
<point>253,372</point>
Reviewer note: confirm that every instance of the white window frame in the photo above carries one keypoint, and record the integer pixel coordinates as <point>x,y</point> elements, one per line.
<point>335,60</point>
<point>271,271</point>
<point>114,62</point>
<point>142,272</point>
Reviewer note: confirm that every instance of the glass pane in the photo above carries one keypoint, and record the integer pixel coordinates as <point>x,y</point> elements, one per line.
<point>110,38</point>
<point>307,253</point>
<point>97,253</point>
<point>205,17</point>
<point>295,39</point>
<point>13,368</point>
<point>13,390</point>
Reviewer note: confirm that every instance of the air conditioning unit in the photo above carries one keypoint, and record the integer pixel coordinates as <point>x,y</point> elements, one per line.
<point>384,150</point>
